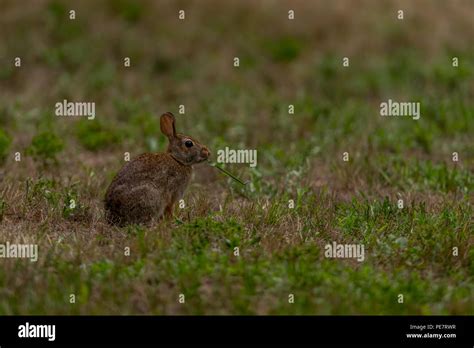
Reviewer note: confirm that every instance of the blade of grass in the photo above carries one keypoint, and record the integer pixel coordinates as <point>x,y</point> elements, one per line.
<point>212,164</point>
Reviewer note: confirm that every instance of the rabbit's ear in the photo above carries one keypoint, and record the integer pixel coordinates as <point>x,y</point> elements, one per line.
<point>167,125</point>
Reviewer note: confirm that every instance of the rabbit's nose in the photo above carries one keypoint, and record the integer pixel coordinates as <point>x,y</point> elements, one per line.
<point>205,152</point>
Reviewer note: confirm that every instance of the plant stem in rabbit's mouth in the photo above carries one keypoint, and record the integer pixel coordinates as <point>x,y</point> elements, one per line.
<point>212,164</point>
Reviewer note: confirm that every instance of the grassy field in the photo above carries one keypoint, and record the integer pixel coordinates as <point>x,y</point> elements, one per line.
<point>189,62</point>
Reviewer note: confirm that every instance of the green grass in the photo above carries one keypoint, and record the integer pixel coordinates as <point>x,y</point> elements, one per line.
<point>45,146</point>
<point>198,260</point>
<point>5,142</point>
<point>96,135</point>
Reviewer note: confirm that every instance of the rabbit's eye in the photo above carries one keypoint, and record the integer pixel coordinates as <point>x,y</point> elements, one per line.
<point>188,143</point>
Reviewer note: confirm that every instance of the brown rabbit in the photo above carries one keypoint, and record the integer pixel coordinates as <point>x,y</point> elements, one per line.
<point>148,186</point>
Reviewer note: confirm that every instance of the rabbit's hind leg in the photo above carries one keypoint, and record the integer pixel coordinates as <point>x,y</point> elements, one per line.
<point>168,212</point>
<point>145,203</point>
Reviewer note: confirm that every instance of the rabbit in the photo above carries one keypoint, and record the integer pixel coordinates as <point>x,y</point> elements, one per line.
<point>146,188</point>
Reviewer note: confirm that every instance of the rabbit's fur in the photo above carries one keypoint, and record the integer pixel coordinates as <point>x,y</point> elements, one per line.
<point>146,188</point>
